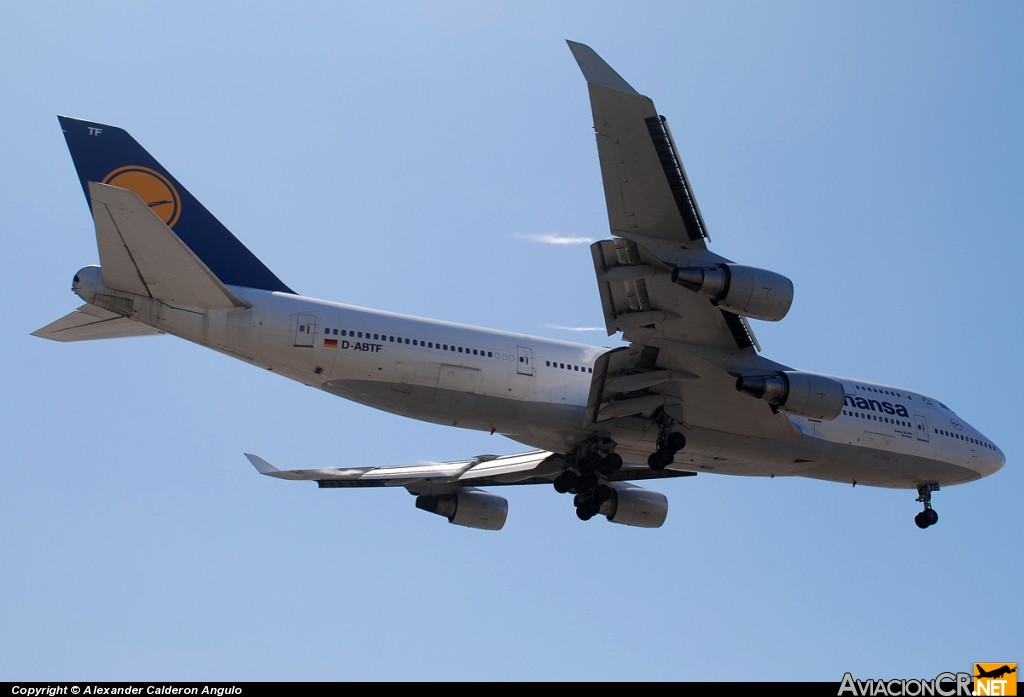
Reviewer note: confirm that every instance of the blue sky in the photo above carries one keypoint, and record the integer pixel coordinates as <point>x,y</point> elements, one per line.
<point>404,156</point>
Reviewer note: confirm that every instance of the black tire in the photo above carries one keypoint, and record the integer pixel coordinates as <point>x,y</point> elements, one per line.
<point>921,522</point>
<point>675,441</point>
<point>656,461</point>
<point>586,482</point>
<point>569,478</point>
<point>583,513</point>
<point>590,463</point>
<point>560,485</point>
<point>667,456</point>
<point>612,463</point>
<point>602,493</point>
<point>930,516</point>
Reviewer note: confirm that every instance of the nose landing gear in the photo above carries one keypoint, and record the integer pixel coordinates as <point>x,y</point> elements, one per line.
<point>928,516</point>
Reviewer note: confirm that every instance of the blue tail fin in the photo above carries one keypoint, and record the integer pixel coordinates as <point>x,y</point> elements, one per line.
<point>109,155</point>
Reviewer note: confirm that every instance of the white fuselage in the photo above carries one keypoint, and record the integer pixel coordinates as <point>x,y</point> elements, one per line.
<point>535,391</point>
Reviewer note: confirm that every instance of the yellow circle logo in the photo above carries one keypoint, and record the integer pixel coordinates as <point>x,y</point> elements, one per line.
<point>152,187</point>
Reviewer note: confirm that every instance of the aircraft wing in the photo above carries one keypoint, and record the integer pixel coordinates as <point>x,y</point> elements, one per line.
<point>646,188</point>
<point>654,213</point>
<point>534,467</point>
<point>685,348</point>
<point>512,469</point>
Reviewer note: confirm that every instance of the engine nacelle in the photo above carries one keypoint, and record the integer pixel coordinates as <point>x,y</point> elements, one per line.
<point>471,508</point>
<point>636,506</point>
<point>807,394</point>
<point>745,290</point>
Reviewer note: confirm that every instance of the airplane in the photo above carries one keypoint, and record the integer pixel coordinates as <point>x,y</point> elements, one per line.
<point>688,392</point>
<point>995,673</point>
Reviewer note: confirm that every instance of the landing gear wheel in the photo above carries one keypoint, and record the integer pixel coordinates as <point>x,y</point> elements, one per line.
<point>590,463</point>
<point>675,441</point>
<point>565,482</point>
<point>587,509</point>
<point>602,493</point>
<point>561,483</point>
<point>660,459</point>
<point>612,463</point>
<point>928,516</point>
<point>586,482</point>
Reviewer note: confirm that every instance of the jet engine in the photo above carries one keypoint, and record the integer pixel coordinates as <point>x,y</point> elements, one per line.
<point>807,394</point>
<point>745,290</point>
<point>636,506</point>
<point>471,508</point>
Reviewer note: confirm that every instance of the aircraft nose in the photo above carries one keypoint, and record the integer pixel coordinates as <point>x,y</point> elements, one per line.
<point>989,462</point>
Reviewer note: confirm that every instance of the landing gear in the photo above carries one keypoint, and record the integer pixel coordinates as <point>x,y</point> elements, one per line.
<point>668,444</point>
<point>566,481</point>
<point>660,459</point>
<point>585,474</point>
<point>928,516</point>
<point>611,463</point>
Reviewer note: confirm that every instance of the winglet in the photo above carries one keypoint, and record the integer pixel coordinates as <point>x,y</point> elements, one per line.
<point>596,70</point>
<point>261,465</point>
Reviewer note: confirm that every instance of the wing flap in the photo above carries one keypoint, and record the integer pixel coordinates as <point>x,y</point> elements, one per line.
<point>90,322</point>
<point>639,299</point>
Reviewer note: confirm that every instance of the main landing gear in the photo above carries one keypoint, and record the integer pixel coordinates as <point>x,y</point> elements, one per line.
<point>928,516</point>
<point>585,472</point>
<point>669,443</point>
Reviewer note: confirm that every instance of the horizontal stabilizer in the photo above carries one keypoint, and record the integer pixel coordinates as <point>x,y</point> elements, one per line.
<point>140,254</point>
<point>90,322</point>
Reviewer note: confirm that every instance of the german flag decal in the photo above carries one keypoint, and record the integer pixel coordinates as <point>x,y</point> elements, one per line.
<point>330,343</point>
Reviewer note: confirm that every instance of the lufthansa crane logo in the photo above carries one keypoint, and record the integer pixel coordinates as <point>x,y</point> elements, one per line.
<point>152,187</point>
